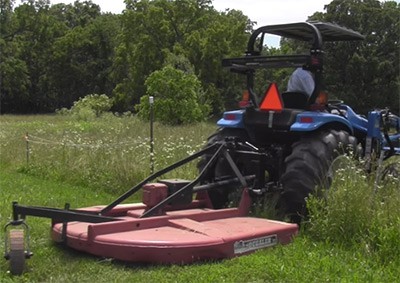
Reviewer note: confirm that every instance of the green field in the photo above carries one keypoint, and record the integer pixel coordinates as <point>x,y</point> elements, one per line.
<point>354,236</point>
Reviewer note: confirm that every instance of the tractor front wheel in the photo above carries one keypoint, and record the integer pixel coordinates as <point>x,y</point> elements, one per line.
<point>17,251</point>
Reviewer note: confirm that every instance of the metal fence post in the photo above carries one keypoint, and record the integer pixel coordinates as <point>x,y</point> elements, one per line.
<point>27,147</point>
<point>151,101</point>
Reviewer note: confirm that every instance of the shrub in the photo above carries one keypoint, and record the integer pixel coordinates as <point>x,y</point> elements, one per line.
<point>177,97</point>
<point>88,107</point>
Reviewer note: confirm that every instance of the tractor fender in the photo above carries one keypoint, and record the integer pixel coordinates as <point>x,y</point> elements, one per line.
<point>232,119</point>
<point>310,121</point>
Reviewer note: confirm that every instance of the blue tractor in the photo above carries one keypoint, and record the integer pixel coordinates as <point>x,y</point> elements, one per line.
<point>296,138</point>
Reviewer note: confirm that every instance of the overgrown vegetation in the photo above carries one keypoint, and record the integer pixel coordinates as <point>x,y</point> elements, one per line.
<point>359,211</point>
<point>351,236</point>
<point>52,55</point>
<point>179,98</point>
<point>108,153</point>
<point>88,107</point>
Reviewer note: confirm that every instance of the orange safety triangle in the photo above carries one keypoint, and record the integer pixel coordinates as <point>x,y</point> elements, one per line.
<point>272,99</point>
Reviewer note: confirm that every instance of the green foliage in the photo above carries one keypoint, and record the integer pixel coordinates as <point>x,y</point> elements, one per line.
<point>90,106</point>
<point>178,97</point>
<point>361,73</point>
<point>364,73</point>
<point>53,55</point>
<point>153,30</point>
<point>358,213</point>
<point>81,60</point>
<point>80,14</point>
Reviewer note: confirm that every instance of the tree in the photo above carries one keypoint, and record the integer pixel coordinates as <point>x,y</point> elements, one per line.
<point>14,80</point>
<point>80,14</point>
<point>191,29</point>
<point>53,55</point>
<point>365,74</point>
<point>24,72</point>
<point>178,97</point>
<point>6,8</point>
<point>82,59</point>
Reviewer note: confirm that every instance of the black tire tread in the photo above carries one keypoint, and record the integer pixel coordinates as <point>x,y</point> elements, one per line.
<point>307,166</point>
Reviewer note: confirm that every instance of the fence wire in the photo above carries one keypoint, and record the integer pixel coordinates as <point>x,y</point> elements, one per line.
<point>42,141</point>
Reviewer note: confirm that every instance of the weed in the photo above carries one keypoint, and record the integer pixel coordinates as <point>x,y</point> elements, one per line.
<point>109,153</point>
<point>354,213</point>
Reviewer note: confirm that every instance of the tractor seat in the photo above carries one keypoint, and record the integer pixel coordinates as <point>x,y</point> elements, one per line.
<point>295,100</point>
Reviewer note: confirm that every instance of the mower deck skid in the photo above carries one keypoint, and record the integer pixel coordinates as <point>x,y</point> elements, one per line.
<point>192,234</point>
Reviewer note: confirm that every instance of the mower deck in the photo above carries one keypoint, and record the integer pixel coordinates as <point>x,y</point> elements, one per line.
<point>179,236</point>
<point>175,223</point>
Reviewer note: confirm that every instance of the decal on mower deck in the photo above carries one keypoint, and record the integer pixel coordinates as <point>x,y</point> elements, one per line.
<point>240,247</point>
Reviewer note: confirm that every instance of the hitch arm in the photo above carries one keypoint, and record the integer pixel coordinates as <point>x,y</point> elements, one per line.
<point>61,215</point>
<point>154,209</point>
<point>152,177</point>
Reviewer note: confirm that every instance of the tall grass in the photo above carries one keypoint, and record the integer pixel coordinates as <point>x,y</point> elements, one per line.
<point>109,153</point>
<point>359,212</point>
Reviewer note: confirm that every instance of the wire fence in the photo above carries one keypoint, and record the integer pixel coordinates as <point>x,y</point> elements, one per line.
<point>107,155</point>
<point>94,145</point>
<point>29,138</point>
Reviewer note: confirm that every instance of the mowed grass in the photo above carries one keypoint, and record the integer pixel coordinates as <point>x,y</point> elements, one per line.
<point>353,237</point>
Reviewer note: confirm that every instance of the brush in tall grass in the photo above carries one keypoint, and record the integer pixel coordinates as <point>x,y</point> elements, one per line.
<point>107,153</point>
<point>354,212</point>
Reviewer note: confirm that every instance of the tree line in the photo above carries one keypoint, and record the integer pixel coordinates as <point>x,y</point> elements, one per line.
<point>52,55</point>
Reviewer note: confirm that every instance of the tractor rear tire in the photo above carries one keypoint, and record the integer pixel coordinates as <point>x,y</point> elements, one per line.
<point>220,197</point>
<point>310,168</point>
